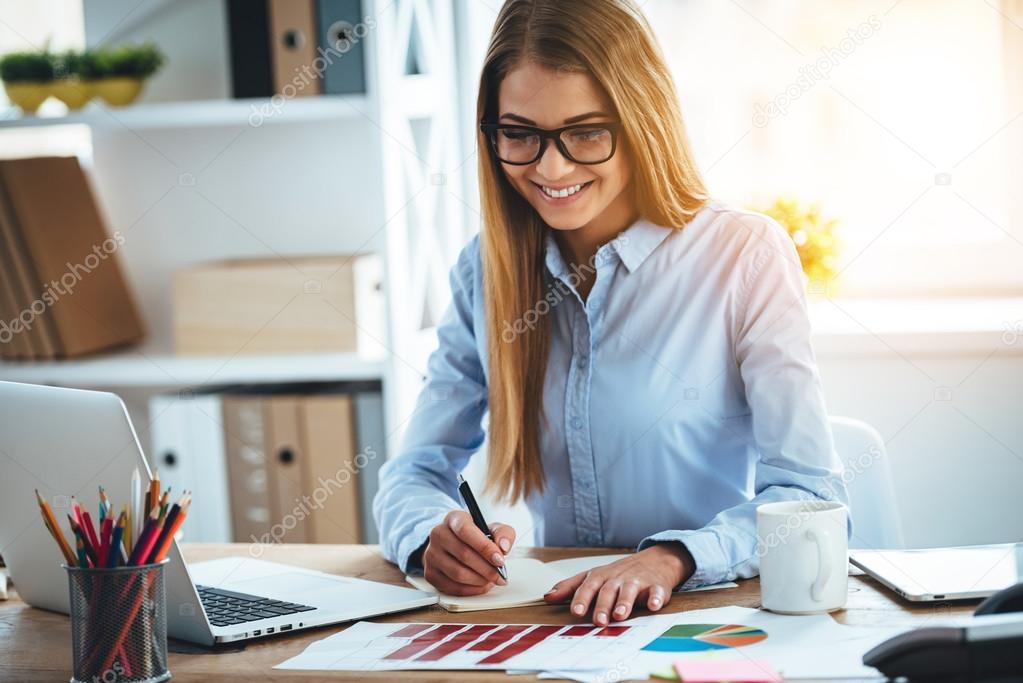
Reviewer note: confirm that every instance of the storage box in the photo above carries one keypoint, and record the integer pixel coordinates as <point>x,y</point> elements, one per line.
<point>325,304</point>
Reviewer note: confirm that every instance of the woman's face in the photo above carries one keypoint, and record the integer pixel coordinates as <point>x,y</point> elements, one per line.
<point>537,96</point>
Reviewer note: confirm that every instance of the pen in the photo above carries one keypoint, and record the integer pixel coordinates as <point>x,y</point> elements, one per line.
<point>477,516</point>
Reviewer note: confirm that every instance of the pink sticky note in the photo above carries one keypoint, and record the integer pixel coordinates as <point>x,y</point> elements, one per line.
<point>738,671</point>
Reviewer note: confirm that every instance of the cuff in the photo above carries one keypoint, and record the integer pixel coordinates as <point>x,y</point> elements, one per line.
<point>414,541</point>
<point>712,564</point>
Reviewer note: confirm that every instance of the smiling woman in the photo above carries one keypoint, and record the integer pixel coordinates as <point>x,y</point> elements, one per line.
<point>642,350</point>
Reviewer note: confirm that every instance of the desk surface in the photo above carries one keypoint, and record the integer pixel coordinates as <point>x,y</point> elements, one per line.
<point>36,645</point>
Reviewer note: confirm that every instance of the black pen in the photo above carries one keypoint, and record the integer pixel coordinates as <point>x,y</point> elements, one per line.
<point>477,516</point>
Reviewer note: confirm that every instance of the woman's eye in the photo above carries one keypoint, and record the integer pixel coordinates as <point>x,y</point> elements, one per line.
<point>588,134</point>
<point>519,136</point>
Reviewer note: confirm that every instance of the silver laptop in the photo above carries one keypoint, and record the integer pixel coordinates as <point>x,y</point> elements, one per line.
<point>932,574</point>
<point>67,442</point>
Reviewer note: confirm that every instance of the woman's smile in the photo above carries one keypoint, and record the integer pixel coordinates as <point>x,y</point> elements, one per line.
<point>560,195</point>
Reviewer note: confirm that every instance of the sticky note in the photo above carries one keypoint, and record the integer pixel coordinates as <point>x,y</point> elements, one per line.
<point>737,671</point>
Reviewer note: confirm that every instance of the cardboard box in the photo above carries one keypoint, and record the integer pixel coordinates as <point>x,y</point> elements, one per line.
<point>287,305</point>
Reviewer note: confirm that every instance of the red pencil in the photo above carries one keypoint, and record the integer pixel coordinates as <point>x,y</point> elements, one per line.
<point>104,540</point>
<point>90,531</point>
<point>147,539</point>
<point>170,527</point>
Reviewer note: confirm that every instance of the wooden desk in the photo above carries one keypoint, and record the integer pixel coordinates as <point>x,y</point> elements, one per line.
<point>36,645</point>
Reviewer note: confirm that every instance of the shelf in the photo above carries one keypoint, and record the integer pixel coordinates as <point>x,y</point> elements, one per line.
<point>140,368</point>
<point>197,113</point>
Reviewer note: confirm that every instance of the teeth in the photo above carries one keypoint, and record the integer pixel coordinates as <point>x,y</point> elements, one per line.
<point>562,192</point>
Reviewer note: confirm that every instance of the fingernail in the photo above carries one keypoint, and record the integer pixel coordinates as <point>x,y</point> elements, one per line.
<point>655,603</point>
<point>550,591</point>
<point>497,559</point>
<point>501,581</point>
<point>505,544</point>
<point>620,609</point>
<point>577,609</point>
<point>456,524</point>
<point>601,618</point>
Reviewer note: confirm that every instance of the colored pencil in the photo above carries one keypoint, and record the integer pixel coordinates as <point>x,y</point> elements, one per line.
<point>51,523</point>
<point>164,502</point>
<point>135,518</point>
<point>170,526</point>
<point>104,505</point>
<point>83,557</point>
<point>114,555</point>
<point>79,532</point>
<point>146,539</point>
<point>104,540</point>
<point>90,531</point>
<point>154,492</point>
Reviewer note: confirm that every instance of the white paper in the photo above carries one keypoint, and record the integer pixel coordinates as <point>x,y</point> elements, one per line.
<point>528,580</point>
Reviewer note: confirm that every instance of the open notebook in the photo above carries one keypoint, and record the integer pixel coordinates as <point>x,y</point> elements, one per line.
<point>528,580</point>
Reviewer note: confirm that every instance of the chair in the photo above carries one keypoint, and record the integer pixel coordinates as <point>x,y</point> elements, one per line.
<point>868,477</point>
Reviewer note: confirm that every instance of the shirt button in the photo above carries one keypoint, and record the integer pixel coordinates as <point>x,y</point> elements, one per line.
<point>581,362</point>
<point>576,423</point>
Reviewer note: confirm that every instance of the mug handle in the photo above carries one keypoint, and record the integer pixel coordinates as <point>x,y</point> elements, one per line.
<point>821,538</point>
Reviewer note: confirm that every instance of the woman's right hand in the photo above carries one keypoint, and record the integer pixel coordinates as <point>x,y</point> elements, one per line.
<point>460,560</point>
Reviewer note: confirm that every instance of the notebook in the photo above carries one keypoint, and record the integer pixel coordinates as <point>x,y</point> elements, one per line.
<point>528,580</point>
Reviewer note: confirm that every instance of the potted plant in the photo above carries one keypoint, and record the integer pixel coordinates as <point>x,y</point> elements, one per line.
<point>118,74</point>
<point>27,78</point>
<point>68,85</point>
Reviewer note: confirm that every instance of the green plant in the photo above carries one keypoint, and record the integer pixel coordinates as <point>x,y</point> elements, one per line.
<point>22,67</point>
<point>67,64</point>
<point>126,61</point>
<point>814,237</point>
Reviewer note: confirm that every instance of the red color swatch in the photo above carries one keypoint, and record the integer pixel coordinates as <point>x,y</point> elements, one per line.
<point>527,641</point>
<point>424,641</point>
<point>457,642</point>
<point>498,638</point>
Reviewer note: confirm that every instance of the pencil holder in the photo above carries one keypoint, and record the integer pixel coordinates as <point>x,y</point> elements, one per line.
<point>118,624</point>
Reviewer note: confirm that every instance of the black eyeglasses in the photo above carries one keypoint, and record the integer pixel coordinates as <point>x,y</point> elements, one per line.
<point>582,143</point>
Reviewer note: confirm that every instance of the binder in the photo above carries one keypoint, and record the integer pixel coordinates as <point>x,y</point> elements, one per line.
<point>248,24</point>
<point>38,340</point>
<point>345,72</point>
<point>188,448</point>
<point>64,238</point>
<point>293,47</point>
<point>286,462</point>
<point>13,340</point>
<point>371,442</point>
<point>246,466</point>
<point>332,481</point>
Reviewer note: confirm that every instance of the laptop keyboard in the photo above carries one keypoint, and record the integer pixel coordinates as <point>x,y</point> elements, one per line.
<point>226,608</point>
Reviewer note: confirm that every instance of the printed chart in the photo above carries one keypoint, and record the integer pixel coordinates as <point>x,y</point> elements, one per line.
<point>701,637</point>
<point>368,646</point>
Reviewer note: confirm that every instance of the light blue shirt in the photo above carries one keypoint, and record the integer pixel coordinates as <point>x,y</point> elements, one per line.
<point>679,396</point>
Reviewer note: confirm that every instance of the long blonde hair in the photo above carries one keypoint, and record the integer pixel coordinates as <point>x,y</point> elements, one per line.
<point>612,41</point>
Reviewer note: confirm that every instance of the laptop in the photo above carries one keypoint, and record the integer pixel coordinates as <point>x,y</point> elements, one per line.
<point>68,442</point>
<point>931,574</point>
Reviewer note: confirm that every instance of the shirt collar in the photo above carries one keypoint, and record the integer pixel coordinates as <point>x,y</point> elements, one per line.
<point>632,246</point>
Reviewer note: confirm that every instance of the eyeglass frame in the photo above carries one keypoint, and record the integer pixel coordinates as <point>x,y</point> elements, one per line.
<point>489,128</point>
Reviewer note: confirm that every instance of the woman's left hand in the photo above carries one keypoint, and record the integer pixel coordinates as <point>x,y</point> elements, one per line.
<point>649,576</point>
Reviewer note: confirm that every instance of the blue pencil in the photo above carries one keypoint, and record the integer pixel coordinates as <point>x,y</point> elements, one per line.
<point>114,553</point>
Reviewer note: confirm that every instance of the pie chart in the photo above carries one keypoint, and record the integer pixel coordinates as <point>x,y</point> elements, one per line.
<point>700,637</point>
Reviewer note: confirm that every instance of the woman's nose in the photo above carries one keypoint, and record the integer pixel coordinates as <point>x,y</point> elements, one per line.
<point>553,164</point>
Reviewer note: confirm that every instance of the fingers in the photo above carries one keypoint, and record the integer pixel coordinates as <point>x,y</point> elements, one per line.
<point>461,524</point>
<point>585,593</point>
<point>626,599</point>
<point>563,589</point>
<point>658,598</point>
<point>465,555</point>
<point>504,536</point>
<point>606,598</point>
<point>448,575</point>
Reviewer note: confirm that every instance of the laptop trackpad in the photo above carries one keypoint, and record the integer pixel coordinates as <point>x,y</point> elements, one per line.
<point>290,586</point>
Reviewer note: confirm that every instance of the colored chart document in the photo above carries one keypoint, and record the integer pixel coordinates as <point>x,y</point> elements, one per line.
<point>367,646</point>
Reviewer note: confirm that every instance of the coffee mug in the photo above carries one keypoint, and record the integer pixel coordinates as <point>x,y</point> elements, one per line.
<point>804,548</point>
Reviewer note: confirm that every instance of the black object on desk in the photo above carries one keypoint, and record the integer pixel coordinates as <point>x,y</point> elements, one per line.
<point>477,516</point>
<point>989,648</point>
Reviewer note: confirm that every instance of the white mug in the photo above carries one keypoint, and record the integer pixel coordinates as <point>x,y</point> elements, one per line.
<point>804,549</point>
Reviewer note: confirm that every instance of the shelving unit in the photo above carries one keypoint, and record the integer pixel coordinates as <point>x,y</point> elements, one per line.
<point>191,175</point>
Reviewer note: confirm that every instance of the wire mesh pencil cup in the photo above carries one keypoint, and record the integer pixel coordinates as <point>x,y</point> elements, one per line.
<point>118,624</point>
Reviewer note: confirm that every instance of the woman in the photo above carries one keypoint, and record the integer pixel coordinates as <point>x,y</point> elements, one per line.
<point>642,351</point>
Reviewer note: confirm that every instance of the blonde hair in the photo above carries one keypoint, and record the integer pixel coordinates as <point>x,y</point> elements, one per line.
<point>612,41</point>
